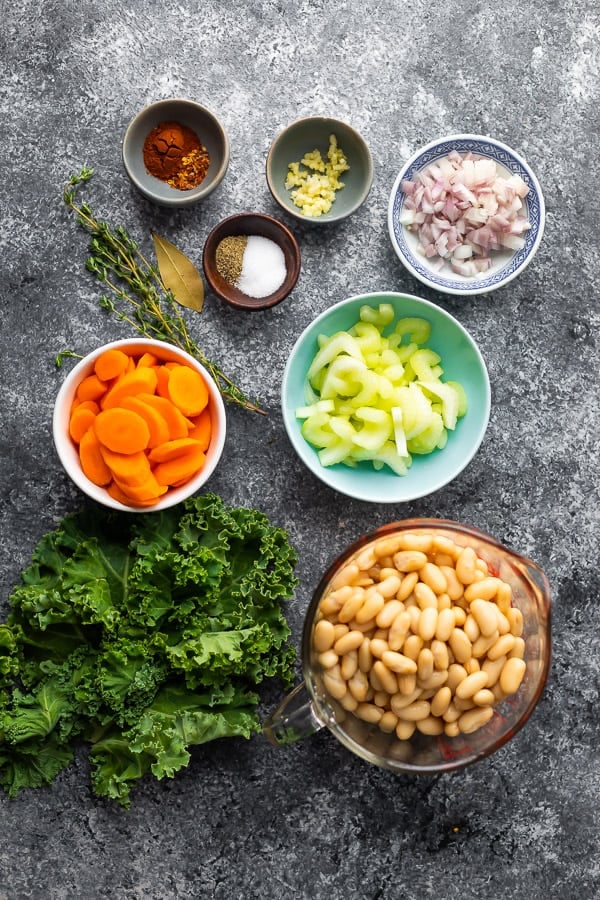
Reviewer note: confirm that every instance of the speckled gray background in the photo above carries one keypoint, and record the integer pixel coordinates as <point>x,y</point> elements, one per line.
<point>245,820</point>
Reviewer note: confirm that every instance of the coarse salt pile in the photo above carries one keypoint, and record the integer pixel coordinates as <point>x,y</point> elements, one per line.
<point>254,264</point>
<point>462,209</point>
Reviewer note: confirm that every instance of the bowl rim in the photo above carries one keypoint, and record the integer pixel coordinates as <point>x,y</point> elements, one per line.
<point>301,446</point>
<point>480,284</point>
<point>183,198</point>
<point>233,296</point>
<point>327,218</point>
<point>65,448</point>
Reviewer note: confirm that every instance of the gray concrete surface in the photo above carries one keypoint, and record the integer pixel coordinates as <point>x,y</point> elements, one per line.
<point>247,821</point>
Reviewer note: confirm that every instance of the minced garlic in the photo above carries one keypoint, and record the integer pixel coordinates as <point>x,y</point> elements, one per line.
<point>316,184</point>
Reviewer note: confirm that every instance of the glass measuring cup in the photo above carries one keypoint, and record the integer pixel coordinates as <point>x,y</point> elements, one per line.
<point>310,706</point>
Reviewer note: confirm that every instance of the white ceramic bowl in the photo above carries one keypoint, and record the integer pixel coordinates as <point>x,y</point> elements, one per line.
<point>506,264</point>
<point>67,449</point>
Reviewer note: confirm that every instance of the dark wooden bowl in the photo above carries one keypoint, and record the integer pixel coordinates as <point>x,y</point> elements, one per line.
<point>251,224</point>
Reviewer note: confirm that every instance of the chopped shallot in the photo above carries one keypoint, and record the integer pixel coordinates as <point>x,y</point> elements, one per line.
<point>462,210</point>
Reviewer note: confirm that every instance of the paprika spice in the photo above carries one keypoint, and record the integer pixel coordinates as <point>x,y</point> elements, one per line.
<point>174,153</point>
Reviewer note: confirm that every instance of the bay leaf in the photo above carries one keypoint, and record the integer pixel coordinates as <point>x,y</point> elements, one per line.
<point>179,274</point>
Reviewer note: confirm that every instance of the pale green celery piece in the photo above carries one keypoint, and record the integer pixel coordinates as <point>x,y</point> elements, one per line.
<point>426,441</point>
<point>367,337</point>
<point>377,428</point>
<point>416,410</point>
<point>443,440</point>
<point>405,351</point>
<point>399,435</point>
<point>343,378</point>
<point>387,455</point>
<point>320,406</point>
<point>422,363</point>
<point>418,329</point>
<point>394,373</point>
<point>380,316</point>
<point>389,357</point>
<point>341,342</point>
<point>317,432</point>
<point>336,453</point>
<point>449,398</point>
<point>343,428</point>
<point>375,390</point>
<point>463,403</point>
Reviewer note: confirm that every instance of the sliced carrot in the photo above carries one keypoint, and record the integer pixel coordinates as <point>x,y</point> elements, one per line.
<point>173,449</point>
<point>137,381</point>
<point>92,463</point>
<point>121,430</point>
<point>177,422</point>
<point>120,496</point>
<point>128,468</point>
<point>180,468</point>
<point>159,430</point>
<point>148,490</point>
<point>187,390</point>
<point>89,404</point>
<point>81,419</point>
<point>202,429</point>
<point>147,359</point>
<point>162,384</point>
<point>111,364</point>
<point>91,388</point>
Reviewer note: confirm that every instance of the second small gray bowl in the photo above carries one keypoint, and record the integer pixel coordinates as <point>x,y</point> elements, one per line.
<point>210,132</point>
<point>306,135</point>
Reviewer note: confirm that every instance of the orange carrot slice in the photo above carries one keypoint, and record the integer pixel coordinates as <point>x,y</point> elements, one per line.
<point>147,359</point>
<point>137,381</point>
<point>148,490</point>
<point>92,463</point>
<point>172,449</point>
<point>202,429</point>
<point>162,384</point>
<point>180,468</point>
<point>81,419</point>
<point>121,430</point>
<point>120,496</point>
<point>91,388</point>
<point>159,430</point>
<point>176,421</point>
<point>187,390</point>
<point>111,364</point>
<point>127,468</point>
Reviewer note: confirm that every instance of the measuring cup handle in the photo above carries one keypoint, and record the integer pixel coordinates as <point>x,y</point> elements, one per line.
<point>293,719</point>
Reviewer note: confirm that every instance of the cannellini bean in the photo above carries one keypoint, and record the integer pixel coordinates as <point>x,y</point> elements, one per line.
<point>425,596</point>
<point>445,625</point>
<point>515,617</point>
<point>398,662</point>
<point>345,576</point>
<point>451,729</point>
<point>363,627</point>
<point>465,565</point>
<point>461,645</point>
<point>378,647</point>
<point>381,699</point>
<point>348,702</point>
<point>485,697</point>
<point>415,615</point>
<point>431,725</point>
<point>473,719</point>
<point>460,616</point>
<point>388,721</point>
<point>409,560</point>
<point>334,683</point>
<point>471,684</point>
<point>425,664</point>
<point>503,623</point>
<point>518,649</point>
<point>359,686</point>
<point>368,712</point>
<point>454,587</point>
<point>512,674</point>
<point>399,630</point>
<point>435,680</point>
<point>440,655</point>
<point>407,585</point>
<point>444,602</point>
<point>471,628</point>
<point>433,577</point>
<point>452,714</point>
<point>365,657</point>
<point>492,668</point>
<point>443,544</point>
<point>407,683</point>
<point>427,623</point>
<point>366,559</point>
<point>349,665</point>
<point>389,612</point>
<point>388,679</point>
<point>389,586</point>
<point>441,701</point>
<point>339,630</point>
<point>350,641</point>
<point>420,709</point>
<point>374,680</point>
<point>412,541</point>
<point>456,674</point>
<point>484,589</point>
<point>484,614</point>
<point>387,546</point>
<point>504,597</point>
<point>323,636</point>
<point>401,701</point>
<point>405,730</point>
<point>463,705</point>
<point>373,604</point>
<point>472,665</point>
<point>412,646</point>
<point>328,659</point>
<point>501,647</point>
<point>483,644</point>
<point>352,605</point>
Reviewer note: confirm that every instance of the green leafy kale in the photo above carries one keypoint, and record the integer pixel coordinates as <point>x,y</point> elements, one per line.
<point>143,635</point>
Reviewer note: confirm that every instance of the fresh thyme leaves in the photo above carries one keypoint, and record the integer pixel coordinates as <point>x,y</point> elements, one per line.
<point>137,294</point>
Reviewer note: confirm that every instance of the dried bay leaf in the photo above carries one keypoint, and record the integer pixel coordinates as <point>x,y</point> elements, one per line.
<point>179,274</point>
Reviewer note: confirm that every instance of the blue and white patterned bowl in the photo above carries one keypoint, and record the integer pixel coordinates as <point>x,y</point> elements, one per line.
<point>506,264</point>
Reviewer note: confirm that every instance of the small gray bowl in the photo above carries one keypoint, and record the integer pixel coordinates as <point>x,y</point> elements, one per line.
<point>306,135</point>
<point>210,132</point>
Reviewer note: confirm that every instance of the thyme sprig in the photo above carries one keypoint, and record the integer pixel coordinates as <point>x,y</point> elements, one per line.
<point>137,294</point>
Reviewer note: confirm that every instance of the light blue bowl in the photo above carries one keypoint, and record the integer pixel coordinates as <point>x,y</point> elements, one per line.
<point>506,264</point>
<point>461,361</point>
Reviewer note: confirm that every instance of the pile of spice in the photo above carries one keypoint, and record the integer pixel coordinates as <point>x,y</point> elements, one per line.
<point>174,153</point>
<point>254,264</point>
<point>317,183</point>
